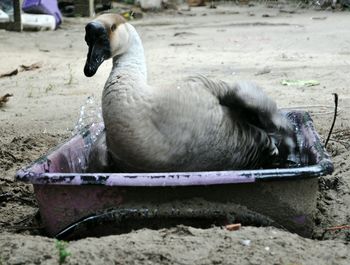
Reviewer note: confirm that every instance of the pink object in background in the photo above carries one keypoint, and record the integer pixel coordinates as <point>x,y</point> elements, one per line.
<point>48,7</point>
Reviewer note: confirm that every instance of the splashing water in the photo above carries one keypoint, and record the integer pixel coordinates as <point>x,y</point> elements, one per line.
<point>90,114</point>
<point>90,119</point>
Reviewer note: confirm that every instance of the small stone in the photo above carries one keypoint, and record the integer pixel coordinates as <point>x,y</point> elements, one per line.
<point>245,242</point>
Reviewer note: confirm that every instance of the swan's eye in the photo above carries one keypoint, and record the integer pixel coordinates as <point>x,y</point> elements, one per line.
<point>113,27</point>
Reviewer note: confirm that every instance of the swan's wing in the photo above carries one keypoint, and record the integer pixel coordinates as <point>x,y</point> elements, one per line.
<point>249,101</point>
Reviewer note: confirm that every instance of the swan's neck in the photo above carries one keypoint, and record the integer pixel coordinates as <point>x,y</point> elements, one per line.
<point>125,93</point>
<point>133,60</point>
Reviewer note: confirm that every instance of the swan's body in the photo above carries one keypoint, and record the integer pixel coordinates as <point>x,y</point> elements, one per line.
<point>197,125</point>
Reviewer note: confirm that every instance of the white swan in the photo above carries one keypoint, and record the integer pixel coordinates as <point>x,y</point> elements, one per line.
<point>199,125</point>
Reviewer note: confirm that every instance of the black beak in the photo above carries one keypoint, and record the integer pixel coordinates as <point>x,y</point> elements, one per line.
<point>97,39</point>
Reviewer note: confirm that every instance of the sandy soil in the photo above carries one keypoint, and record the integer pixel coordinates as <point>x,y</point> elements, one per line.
<point>230,43</point>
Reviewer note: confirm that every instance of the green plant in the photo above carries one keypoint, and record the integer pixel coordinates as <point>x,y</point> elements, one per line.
<point>30,93</point>
<point>63,253</point>
<point>49,88</point>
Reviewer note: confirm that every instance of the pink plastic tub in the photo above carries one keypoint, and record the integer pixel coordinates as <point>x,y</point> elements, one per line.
<point>70,199</point>
<point>48,7</point>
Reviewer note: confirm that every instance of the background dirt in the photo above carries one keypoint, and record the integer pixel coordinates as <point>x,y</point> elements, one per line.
<point>231,43</point>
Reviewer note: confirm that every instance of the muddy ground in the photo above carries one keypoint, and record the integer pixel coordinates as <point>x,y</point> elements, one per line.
<point>231,42</point>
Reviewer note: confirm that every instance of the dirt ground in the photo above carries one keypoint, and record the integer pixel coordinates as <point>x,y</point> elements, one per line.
<point>231,42</point>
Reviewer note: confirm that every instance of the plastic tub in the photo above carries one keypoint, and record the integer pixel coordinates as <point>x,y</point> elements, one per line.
<point>66,195</point>
<point>48,7</point>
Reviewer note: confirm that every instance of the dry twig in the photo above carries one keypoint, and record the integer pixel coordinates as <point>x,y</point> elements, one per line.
<point>333,228</point>
<point>334,118</point>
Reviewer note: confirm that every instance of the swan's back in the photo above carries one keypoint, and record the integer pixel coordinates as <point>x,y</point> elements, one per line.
<point>205,132</point>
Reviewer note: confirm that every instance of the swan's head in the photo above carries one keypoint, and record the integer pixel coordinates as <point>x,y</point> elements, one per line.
<point>106,36</point>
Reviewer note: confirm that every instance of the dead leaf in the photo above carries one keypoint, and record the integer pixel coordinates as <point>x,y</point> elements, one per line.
<point>11,73</point>
<point>4,99</point>
<point>22,68</point>
<point>30,67</point>
<point>300,83</point>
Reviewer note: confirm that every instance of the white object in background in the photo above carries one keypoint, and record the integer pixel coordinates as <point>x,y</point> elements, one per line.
<point>38,22</point>
<point>151,4</point>
<point>4,17</point>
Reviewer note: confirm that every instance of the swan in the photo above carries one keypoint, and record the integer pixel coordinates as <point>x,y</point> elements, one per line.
<point>197,125</point>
